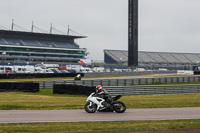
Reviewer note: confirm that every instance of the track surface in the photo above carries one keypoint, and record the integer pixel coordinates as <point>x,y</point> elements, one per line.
<point>37,116</point>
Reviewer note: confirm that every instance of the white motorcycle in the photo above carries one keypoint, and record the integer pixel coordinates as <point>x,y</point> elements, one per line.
<point>95,103</point>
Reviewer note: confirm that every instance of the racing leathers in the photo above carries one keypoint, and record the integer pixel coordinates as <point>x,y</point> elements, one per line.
<point>106,96</point>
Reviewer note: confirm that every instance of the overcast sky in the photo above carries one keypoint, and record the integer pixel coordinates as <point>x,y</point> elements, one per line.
<point>164,25</point>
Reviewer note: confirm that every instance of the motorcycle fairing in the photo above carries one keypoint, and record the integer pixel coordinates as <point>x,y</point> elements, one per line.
<point>97,101</point>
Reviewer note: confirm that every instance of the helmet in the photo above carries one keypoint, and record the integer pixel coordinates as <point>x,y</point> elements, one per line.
<point>99,88</point>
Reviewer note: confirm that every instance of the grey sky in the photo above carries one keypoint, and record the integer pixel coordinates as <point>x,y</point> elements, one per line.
<point>164,25</point>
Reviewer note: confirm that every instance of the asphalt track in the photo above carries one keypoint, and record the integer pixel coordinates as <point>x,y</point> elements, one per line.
<point>41,116</point>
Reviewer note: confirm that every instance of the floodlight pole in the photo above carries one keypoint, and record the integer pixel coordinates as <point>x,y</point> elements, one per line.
<point>12,27</point>
<point>133,34</point>
<point>51,29</point>
<point>32,26</point>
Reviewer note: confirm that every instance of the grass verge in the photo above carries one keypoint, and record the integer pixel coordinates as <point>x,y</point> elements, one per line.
<point>91,126</point>
<point>46,100</point>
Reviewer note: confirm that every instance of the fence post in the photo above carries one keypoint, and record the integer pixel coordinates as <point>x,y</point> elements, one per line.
<point>101,83</point>
<point>43,84</point>
<point>139,82</point>
<point>83,82</point>
<point>177,79</point>
<point>171,79</point>
<point>132,81</point>
<point>165,80</point>
<point>124,82</point>
<point>117,82</point>
<point>109,84</point>
<point>182,89</point>
<point>159,80</point>
<point>92,82</point>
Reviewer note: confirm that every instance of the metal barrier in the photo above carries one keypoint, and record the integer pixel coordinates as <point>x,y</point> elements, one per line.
<point>121,82</point>
<point>152,90</point>
<point>103,74</point>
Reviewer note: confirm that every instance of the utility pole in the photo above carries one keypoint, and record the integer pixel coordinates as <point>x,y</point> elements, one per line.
<point>32,27</point>
<point>133,34</point>
<point>51,29</point>
<point>12,27</point>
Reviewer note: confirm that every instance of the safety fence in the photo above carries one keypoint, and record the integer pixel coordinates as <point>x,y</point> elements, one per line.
<point>103,74</point>
<point>121,82</point>
<point>152,89</point>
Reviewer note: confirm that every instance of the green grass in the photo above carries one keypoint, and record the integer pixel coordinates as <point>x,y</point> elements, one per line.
<point>91,126</point>
<point>42,100</point>
<point>46,100</point>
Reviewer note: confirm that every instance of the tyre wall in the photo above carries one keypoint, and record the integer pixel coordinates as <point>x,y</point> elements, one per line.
<point>37,75</point>
<point>73,89</point>
<point>19,86</point>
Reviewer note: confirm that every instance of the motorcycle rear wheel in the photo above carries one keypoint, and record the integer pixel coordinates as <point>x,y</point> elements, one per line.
<point>119,107</point>
<point>90,109</point>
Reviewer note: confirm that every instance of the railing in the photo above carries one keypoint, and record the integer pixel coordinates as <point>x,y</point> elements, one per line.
<point>152,90</point>
<point>120,82</point>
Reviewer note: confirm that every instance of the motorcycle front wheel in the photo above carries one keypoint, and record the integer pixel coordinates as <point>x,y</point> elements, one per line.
<point>119,107</point>
<point>90,109</point>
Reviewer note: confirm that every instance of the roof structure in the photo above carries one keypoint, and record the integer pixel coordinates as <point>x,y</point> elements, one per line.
<point>121,56</point>
<point>34,35</point>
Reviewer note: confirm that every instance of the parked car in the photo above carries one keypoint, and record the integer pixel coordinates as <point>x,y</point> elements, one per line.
<point>56,71</point>
<point>71,70</point>
<point>64,71</point>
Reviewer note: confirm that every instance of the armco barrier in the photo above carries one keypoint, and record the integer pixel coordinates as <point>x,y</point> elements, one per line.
<point>152,90</point>
<point>19,86</point>
<point>121,82</point>
<point>128,90</point>
<point>72,89</point>
<point>103,74</point>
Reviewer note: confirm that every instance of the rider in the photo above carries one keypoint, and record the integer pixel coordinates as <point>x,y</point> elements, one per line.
<point>78,77</point>
<point>102,93</point>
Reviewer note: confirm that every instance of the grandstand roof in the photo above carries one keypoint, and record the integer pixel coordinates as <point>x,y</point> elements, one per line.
<point>118,56</point>
<point>40,36</point>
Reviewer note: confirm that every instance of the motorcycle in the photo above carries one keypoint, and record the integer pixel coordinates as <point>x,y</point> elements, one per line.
<point>95,103</point>
<point>77,78</point>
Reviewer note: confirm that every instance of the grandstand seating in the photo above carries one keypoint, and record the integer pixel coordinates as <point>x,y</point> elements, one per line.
<point>38,43</point>
<point>31,43</point>
<point>181,57</point>
<point>62,44</point>
<point>155,57</point>
<point>193,57</point>
<point>1,41</point>
<point>74,45</point>
<point>120,56</point>
<point>31,47</point>
<point>145,57</point>
<point>168,57</point>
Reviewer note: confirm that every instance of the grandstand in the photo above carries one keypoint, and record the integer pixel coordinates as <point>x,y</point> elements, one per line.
<point>39,47</point>
<point>152,60</point>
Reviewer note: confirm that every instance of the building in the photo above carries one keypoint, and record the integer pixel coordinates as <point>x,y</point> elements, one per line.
<point>154,60</point>
<point>21,46</point>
